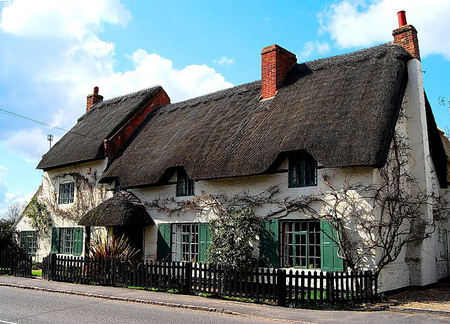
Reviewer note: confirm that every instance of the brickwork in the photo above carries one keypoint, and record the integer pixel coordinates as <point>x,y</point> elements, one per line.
<point>93,98</point>
<point>406,36</point>
<point>275,64</point>
<point>113,144</point>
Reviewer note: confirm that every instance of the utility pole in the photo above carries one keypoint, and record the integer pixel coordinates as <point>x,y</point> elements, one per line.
<point>50,139</point>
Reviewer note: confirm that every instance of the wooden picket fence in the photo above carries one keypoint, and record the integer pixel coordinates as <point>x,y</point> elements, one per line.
<point>15,263</point>
<point>266,285</point>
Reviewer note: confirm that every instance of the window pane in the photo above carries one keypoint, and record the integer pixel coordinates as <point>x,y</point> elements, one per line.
<point>28,242</point>
<point>185,186</point>
<point>66,193</point>
<point>302,170</point>
<point>185,242</point>
<point>301,247</point>
<point>66,240</point>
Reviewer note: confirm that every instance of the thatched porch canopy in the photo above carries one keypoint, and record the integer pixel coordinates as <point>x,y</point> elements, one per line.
<point>123,209</point>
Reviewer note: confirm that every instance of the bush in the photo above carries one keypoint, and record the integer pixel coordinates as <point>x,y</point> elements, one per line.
<point>112,247</point>
<point>7,235</point>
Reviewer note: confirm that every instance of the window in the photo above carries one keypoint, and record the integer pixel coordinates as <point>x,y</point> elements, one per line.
<point>67,240</point>
<point>66,193</point>
<point>185,242</point>
<point>28,242</point>
<point>302,170</point>
<point>185,186</point>
<point>301,244</point>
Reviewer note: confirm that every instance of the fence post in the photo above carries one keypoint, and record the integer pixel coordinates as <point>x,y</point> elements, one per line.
<point>187,277</point>
<point>281,283</point>
<point>52,272</point>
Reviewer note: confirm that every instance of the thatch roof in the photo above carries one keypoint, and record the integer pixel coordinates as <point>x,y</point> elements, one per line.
<point>123,209</point>
<point>342,110</point>
<point>84,142</point>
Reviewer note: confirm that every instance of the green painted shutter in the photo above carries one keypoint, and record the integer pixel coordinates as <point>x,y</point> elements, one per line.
<point>163,243</point>
<point>77,240</point>
<point>55,240</point>
<point>269,246</point>
<point>330,259</point>
<point>204,239</point>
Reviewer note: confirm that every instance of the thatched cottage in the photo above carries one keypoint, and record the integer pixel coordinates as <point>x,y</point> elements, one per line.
<point>132,164</point>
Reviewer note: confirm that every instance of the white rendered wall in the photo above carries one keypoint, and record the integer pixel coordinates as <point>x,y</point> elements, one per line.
<point>88,198</point>
<point>252,185</point>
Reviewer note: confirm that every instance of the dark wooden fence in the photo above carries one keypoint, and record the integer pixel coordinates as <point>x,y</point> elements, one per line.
<point>266,285</point>
<point>15,263</point>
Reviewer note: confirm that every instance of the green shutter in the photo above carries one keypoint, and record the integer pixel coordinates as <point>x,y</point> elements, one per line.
<point>55,240</point>
<point>77,241</point>
<point>204,238</point>
<point>269,243</point>
<point>163,244</point>
<point>330,249</point>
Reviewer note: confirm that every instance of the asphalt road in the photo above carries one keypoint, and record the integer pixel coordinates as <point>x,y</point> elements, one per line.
<point>18,305</point>
<point>28,306</point>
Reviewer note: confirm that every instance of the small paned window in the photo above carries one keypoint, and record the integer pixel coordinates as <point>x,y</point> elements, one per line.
<point>185,186</point>
<point>28,242</point>
<point>302,170</point>
<point>185,242</point>
<point>66,193</point>
<point>66,240</point>
<point>301,244</point>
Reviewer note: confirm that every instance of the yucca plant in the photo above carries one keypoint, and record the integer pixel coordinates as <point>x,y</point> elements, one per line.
<point>112,247</point>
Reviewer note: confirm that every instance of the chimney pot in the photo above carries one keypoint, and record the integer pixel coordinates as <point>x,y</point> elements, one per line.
<point>401,18</point>
<point>406,36</point>
<point>93,98</point>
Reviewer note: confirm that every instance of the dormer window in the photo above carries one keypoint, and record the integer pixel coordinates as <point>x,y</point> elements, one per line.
<point>185,186</point>
<point>66,193</point>
<point>302,170</point>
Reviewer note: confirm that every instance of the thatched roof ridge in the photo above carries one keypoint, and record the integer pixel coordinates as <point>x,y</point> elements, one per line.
<point>342,110</point>
<point>84,142</point>
<point>123,209</point>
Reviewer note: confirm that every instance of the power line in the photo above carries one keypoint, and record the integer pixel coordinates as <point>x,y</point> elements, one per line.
<point>13,114</point>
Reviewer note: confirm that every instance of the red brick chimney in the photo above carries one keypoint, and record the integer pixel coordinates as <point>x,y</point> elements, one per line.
<point>275,64</point>
<point>406,36</point>
<point>93,98</point>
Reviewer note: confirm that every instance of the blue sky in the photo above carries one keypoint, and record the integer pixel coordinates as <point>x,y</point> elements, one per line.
<point>53,52</point>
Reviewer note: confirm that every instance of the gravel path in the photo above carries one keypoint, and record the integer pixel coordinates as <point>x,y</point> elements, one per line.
<point>436,298</point>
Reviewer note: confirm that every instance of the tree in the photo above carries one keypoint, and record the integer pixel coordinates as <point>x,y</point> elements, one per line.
<point>7,232</point>
<point>13,212</point>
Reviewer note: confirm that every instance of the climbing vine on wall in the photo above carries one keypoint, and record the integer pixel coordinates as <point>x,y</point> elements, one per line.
<point>39,217</point>
<point>233,238</point>
<point>87,195</point>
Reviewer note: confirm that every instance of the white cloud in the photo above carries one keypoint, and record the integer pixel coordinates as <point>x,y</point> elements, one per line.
<point>10,198</point>
<point>152,69</point>
<point>359,23</point>
<point>69,58</point>
<point>224,61</point>
<point>3,187</point>
<point>31,144</point>
<point>61,19</point>
<point>313,47</point>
